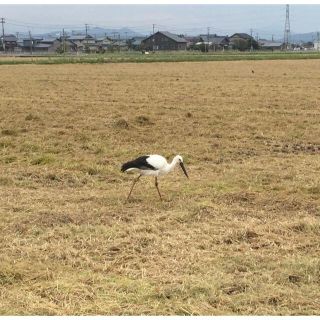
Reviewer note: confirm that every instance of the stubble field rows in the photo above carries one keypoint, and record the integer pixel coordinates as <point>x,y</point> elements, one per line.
<point>241,236</point>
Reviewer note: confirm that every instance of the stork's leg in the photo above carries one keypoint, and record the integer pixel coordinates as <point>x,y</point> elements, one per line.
<point>134,182</point>
<point>156,183</point>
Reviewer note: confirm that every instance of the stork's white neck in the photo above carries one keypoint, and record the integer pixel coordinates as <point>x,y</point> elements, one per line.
<point>171,166</point>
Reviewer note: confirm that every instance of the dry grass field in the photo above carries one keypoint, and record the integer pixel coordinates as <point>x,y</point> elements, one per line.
<point>241,236</point>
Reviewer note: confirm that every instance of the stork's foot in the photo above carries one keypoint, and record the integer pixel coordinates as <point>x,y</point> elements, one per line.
<point>134,182</point>
<point>156,184</point>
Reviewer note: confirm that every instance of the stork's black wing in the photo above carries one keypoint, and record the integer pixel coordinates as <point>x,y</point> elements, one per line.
<point>139,163</point>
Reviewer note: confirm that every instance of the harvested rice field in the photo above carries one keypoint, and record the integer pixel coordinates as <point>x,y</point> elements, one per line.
<point>240,237</point>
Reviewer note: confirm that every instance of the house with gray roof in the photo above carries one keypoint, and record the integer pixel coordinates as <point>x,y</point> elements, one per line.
<point>316,45</point>
<point>9,41</point>
<point>120,45</point>
<point>84,42</point>
<point>28,44</point>
<point>135,43</point>
<point>214,41</point>
<point>244,36</point>
<point>45,45</point>
<point>243,41</point>
<point>270,45</point>
<point>104,43</point>
<point>164,40</point>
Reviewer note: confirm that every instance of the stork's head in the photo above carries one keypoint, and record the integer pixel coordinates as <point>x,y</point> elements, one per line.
<point>180,161</point>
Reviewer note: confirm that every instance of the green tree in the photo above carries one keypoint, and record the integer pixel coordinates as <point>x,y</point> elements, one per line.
<point>245,44</point>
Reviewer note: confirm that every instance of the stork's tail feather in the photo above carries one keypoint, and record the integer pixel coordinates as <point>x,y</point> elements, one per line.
<point>139,163</point>
<point>126,166</point>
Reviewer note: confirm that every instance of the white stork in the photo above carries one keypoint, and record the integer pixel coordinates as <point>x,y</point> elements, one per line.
<point>152,165</point>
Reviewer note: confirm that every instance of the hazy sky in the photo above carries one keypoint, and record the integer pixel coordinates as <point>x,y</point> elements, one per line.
<point>188,19</point>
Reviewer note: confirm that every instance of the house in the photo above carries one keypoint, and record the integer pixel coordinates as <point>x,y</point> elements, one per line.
<point>243,36</point>
<point>307,45</point>
<point>104,44</point>
<point>42,48</point>
<point>47,45</point>
<point>215,42</point>
<point>9,42</point>
<point>237,38</point>
<point>242,41</point>
<point>28,44</point>
<point>135,43</point>
<point>316,45</point>
<point>120,45</point>
<point>54,45</point>
<point>164,40</point>
<point>191,41</point>
<point>66,45</point>
<point>270,45</point>
<point>84,42</point>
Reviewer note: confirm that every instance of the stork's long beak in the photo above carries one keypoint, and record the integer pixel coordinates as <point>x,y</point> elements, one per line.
<point>184,169</point>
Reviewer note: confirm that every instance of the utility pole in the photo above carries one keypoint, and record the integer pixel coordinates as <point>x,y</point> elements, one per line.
<point>86,25</point>
<point>3,43</point>
<point>208,36</point>
<point>272,38</point>
<point>153,40</point>
<point>287,30</point>
<point>251,47</point>
<point>64,41</point>
<point>30,39</point>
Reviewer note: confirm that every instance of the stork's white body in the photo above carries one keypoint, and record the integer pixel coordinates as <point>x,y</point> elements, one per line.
<point>152,165</point>
<point>159,163</point>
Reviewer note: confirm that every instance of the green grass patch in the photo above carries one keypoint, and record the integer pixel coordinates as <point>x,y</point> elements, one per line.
<point>160,57</point>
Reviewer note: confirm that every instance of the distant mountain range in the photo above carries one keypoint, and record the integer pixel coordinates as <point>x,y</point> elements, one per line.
<point>100,32</point>
<point>301,37</point>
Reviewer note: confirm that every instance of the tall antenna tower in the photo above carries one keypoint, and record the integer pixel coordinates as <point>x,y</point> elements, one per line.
<point>287,30</point>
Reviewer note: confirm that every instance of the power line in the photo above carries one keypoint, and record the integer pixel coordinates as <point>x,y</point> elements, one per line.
<point>40,25</point>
